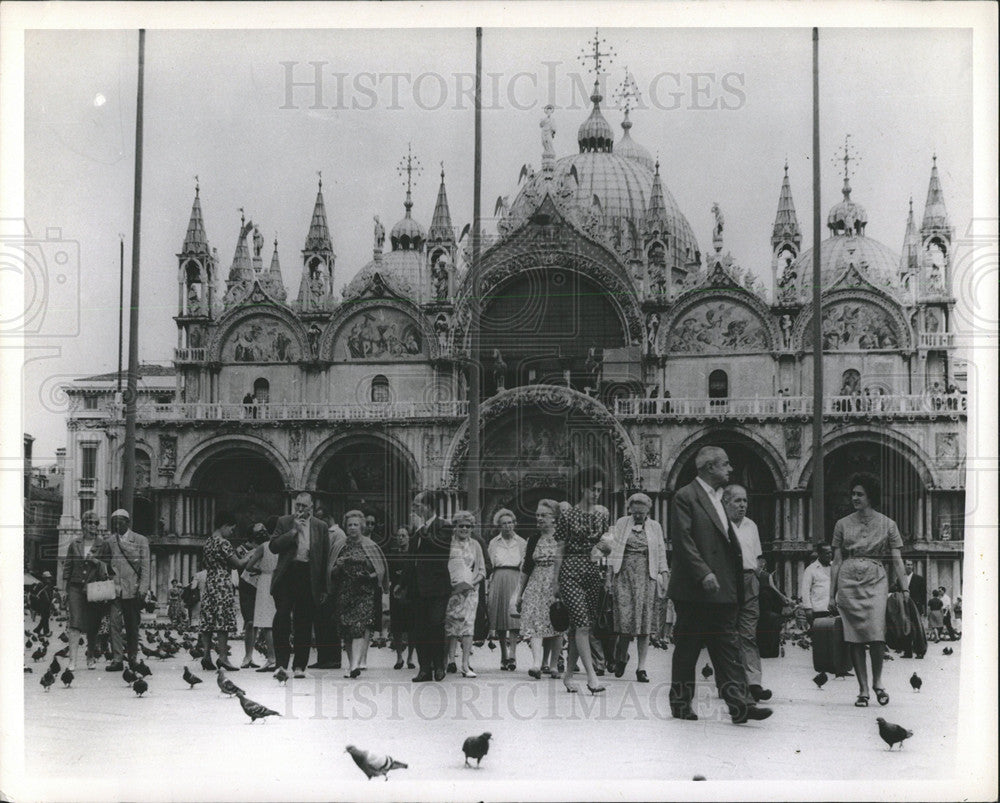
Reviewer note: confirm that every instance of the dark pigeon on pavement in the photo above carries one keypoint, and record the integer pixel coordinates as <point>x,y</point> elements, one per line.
<point>190,678</point>
<point>226,686</point>
<point>372,764</point>
<point>67,677</point>
<point>476,747</point>
<point>916,681</point>
<point>140,687</point>
<point>47,680</point>
<point>892,734</point>
<point>255,710</point>
<point>821,679</point>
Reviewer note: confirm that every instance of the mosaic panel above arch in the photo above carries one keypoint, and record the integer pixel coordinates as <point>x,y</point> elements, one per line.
<point>716,326</point>
<point>380,333</point>
<point>857,325</point>
<point>261,338</point>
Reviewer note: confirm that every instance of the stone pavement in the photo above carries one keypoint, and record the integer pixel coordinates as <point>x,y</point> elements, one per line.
<point>176,742</point>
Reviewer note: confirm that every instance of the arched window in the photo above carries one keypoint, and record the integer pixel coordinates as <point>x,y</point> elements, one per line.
<point>380,390</point>
<point>718,387</point>
<point>261,391</point>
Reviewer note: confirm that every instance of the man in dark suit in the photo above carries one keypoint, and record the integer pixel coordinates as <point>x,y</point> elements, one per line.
<point>299,583</point>
<point>706,585</point>
<point>429,585</point>
<point>916,584</point>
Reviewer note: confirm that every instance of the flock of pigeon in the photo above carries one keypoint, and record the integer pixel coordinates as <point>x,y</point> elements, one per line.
<point>166,646</point>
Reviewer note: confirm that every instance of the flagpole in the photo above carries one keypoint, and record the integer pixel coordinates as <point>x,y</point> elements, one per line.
<point>128,472</point>
<point>472,462</point>
<point>121,304</point>
<point>818,518</point>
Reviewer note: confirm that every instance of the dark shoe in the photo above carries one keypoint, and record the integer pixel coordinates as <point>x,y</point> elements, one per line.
<point>535,673</point>
<point>227,666</point>
<point>207,664</point>
<point>355,674</point>
<point>452,669</point>
<point>641,676</point>
<point>753,712</point>
<point>439,675</point>
<point>595,689</point>
<point>759,694</point>
<point>410,665</point>
<point>398,664</point>
<point>599,673</point>
<point>680,713</point>
<point>421,677</point>
<point>117,666</point>
<point>881,696</point>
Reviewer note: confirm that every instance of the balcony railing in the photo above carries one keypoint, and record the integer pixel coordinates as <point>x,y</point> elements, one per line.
<point>937,340</point>
<point>794,406</point>
<point>279,411</point>
<point>87,485</point>
<point>190,355</point>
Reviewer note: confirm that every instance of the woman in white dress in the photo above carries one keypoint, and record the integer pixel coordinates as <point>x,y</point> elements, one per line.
<point>263,609</point>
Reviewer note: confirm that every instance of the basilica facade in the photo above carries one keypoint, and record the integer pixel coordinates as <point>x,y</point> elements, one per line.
<point>607,335</point>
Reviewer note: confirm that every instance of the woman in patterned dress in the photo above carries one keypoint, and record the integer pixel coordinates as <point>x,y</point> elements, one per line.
<point>579,578</point>
<point>859,585</point>
<point>467,570</point>
<point>358,568</point>
<point>218,614</point>
<point>398,557</point>
<point>176,609</point>
<point>536,592</point>
<point>506,553</point>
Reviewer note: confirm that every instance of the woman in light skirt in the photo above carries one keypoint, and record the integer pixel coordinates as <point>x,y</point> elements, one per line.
<point>467,570</point>
<point>506,552</point>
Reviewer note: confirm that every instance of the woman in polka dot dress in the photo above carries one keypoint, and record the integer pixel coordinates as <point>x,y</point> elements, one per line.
<point>579,578</point>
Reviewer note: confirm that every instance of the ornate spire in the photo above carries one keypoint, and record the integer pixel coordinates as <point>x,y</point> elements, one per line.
<point>786,223</point>
<point>910,259</point>
<point>407,234</point>
<point>847,217</point>
<point>195,241</point>
<point>626,94</point>
<point>595,135</point>
<point>242,268</point>
<point>656,212</point>
<point>272,280</point>
<point>935,214</point>
<point>318,238</point>
<point>441,229</point>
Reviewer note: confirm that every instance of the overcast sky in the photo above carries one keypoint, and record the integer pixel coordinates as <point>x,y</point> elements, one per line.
<point>723,109</point>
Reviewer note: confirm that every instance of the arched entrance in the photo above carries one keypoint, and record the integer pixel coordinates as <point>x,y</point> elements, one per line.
<point>902,487</point>
<point>241,480</point>
<point>750,470</point>
<point>368,473</point>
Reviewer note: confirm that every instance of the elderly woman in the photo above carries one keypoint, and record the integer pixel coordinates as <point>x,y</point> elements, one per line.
<point>536,592</point>
<point>357,569</point>
<point>87,560</point>
<point>398,557</point>
<point>467,570</point>
<point>579,582</point>
<point>506,553</point>
<point>637,566</point>
<point>218,614</point>
<point>859,585</point>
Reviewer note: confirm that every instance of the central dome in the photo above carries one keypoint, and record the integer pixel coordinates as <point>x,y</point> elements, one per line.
<point>873,260</point>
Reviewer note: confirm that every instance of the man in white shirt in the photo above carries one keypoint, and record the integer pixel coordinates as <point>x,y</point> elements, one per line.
<point>734,500</point>
<point>815,585</point>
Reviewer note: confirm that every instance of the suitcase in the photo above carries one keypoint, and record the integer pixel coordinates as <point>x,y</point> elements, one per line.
<point>829,650</point>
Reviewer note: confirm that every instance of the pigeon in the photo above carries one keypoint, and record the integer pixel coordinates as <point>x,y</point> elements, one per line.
<point>67,677</point>
<point>821,679</point>
<point>698,778</point>
<point>147,652</point>
<point>706,671</point>
<point>63,653</point>
<point>916,681</point>
<point>54,667</point>
<point>281,675</point>
<point>476,747</point>
<point>372,764</point>
<point>27,644</point>
<point>947,651</point>
<point>28,670</point>
<point>64,638</point>
<point>37,655</point>
<point>226,686</point>
<point>491,644</point>
<point>190,678</point>
<point>143,670</point>
<point>129,676</point>
<point>255,710</point>
<point>140,687</point>
<point>47,680</point>
<point>887,657</point>
<point>892,734</point>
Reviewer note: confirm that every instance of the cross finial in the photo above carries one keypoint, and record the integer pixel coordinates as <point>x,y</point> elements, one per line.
<point>627,92</point>
<point>596,54</point>
<point>847,157</point>
<point>243,217</point>
<point>320,174</point>
<point>410,165</point>
<point>442,170</point>
<point>197,185</point>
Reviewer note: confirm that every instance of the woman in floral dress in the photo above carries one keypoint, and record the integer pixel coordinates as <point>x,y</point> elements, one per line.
<point>218,614</point>
<point>580,581</point>
<point>467,569</point>
<point>176,609</point>
<point>536,592</point>
<point>358,569</point>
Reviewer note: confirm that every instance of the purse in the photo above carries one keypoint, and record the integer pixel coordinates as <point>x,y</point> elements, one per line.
<point>100,591</point>
<point>559,616</point>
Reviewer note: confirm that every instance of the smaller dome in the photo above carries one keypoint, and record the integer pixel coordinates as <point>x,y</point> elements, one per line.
<point>407,235</point>
<point>848,216</point>
<point>595,134</point>
<point>401,271</point>
<point>631,149</point>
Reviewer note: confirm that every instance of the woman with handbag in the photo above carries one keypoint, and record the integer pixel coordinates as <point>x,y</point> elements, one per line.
<point>88,564</point>
<point>506,552</point>
<point>467,570</point>
<point>536,593</point>
<point>398,557</point>
<point>859,585</point>
<point>637,566</point>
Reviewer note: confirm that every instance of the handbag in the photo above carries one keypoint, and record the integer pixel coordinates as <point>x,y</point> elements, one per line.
<point>559,616</point>
<point>100,591</point>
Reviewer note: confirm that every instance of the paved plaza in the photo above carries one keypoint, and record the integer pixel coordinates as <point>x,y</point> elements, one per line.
<point>185,742</point>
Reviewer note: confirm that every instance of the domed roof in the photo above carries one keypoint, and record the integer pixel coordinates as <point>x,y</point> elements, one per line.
<point>847,216</point>
<point>873,260</point>
<point>407,235</point>
<point>631,149</point>
<point>595,132</point>
<point>400,270</point>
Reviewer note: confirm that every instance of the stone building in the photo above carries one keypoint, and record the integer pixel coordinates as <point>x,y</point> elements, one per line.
<point>608,336</point>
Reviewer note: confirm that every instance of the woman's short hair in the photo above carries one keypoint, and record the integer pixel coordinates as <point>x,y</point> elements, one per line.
<point>550,506</point>
<point>463,517</point>
<point>873,488</point>
<point>500,514</point>
<point>588,477</point>
<point>353,514</point>
<point>224,517</point>
<point>641,498</point>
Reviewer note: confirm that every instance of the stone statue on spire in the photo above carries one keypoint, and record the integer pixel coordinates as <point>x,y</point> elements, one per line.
<point>379,235</point>
<point>548,127</point>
